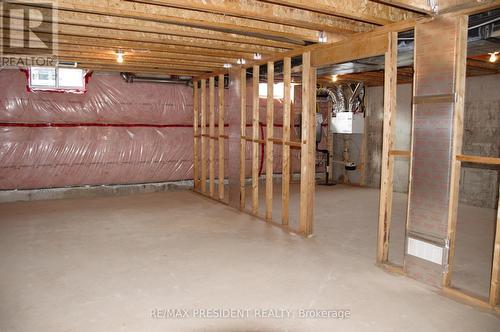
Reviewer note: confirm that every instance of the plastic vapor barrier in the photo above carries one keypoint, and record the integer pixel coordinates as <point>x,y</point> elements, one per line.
<point>115,133</point>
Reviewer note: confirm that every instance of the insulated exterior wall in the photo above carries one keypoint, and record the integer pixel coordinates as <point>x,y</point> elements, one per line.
<point>116,133</point>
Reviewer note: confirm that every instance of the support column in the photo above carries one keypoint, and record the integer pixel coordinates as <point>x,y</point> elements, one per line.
<point>439,84</point>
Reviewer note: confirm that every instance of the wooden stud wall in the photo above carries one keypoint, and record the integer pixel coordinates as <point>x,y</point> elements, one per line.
<point>494,294</point>
<point>457,159</point>
<point>208,140</point>
<point>307,146</point>
<point>310,60</point>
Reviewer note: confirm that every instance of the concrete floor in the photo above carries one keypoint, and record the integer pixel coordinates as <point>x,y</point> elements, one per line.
<point>104,264</point>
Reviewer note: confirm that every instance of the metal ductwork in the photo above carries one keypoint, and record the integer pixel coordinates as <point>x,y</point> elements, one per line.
<point>131,78</point>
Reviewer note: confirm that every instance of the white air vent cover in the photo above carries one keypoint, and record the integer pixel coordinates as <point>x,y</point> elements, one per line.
<point>424,250</point>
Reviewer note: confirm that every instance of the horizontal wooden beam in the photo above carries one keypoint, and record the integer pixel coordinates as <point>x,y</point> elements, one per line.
<point>138,25</point>
<point>142,70</point>
<point>267,12</point>
<point>140,46</point>
<point>433,99</point>
<point>400,153</point>
<point>138,64</point>
<point>466,7</point>
<point>479,160</point>
<point>131,58</point>
<point>98,32</point>
<point>352,50</point>
<point>216,22</point>
<point>420,6</point>
<point>365,11</point>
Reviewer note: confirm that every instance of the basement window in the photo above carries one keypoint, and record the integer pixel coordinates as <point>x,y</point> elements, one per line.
<point>278,90</point>
<point>55,79</point>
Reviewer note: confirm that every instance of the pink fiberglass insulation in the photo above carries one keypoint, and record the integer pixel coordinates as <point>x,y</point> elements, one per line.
<point>117,133</point>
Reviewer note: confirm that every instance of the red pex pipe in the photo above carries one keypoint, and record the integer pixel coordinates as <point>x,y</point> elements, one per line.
<point>71,125</point>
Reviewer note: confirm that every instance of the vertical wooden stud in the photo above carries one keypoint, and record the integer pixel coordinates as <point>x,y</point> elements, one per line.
<point>212,135</point>
<point>243,142</point>
<point>285,198</point>
<point>308,146</point>
<point>196,133</point>
<point>495,271</point>
<point>203,136</point>
<point>255,144</point>
<point>222,141</point>
<point>269,142</point>
<point>458,128</point>
<point>385,207</point>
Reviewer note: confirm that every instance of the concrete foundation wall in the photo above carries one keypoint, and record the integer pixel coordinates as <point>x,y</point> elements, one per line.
<point>479,185</point>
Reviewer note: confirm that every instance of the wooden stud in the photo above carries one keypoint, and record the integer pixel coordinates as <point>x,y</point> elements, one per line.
<point>269,143</point>
<point>459,295</point>
<point>203,136</point>
<point>385,211</point>
<point>285,181</point>
<point>212,134</point>
<point>308,156</point>
<point>479,160</point>
<point>243,143</point>
<point>196,112</point>
<point>495,271</point>
<point>400,153</point>
<point>458,126</point>
<point>255,136</point>
<point>221,135</point>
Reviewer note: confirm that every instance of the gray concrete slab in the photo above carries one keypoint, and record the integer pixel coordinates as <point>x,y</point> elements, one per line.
<point>104,264</point>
